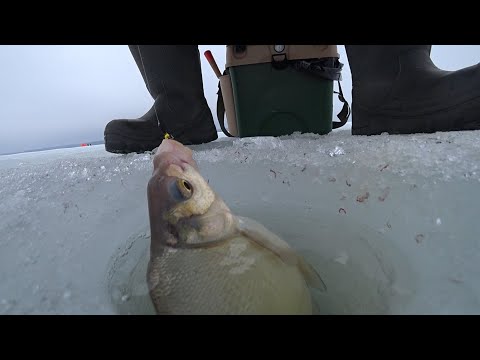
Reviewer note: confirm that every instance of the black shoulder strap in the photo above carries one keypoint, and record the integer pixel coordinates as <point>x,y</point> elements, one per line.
<point>221,111</point>
<point>344,114</point>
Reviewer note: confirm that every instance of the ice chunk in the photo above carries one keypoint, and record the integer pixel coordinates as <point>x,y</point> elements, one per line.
<point>342,258</point>
<point>336,151</point>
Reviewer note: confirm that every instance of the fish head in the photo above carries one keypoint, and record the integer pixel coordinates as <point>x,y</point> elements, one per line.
<point>184,210</point>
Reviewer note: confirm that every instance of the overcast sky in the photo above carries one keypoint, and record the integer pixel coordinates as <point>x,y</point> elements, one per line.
<point>60,95</point>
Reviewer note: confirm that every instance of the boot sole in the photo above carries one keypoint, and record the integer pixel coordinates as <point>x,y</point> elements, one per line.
<point>461,117</point>
<point>120,145</point>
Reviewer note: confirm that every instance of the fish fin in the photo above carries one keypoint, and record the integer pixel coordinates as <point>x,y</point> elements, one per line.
<point>269,240</point>
<point>266,238</point>
<point>312,277</point>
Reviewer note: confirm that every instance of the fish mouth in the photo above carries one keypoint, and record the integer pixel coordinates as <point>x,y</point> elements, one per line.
<point>171,152</point>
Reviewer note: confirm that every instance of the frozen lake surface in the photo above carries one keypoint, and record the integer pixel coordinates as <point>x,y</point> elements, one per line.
<point>390,222</point>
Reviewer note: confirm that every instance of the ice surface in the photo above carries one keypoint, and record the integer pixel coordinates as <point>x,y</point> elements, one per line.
<point>443,156</point>
<point>390,222</point>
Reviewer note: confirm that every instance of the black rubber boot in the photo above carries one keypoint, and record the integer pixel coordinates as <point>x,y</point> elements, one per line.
<point>397,89</point>
<point>173,77</point>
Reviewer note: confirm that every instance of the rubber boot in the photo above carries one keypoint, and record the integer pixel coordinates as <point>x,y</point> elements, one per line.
<point>173,77</point>
<point>397,89</point>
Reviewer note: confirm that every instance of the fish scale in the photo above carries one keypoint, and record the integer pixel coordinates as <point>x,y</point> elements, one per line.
<point>201,286</point>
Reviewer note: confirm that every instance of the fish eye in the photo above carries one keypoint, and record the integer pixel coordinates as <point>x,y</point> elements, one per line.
<point>187,185</point>
<point>185,188</point>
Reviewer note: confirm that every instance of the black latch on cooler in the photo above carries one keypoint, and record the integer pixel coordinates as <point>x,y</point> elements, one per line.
<point>279,60</point>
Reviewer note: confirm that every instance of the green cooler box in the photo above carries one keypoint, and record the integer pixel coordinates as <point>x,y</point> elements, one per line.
<point>274,90</point>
